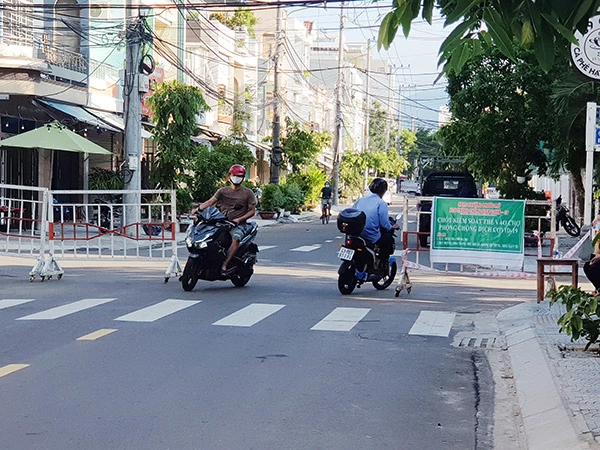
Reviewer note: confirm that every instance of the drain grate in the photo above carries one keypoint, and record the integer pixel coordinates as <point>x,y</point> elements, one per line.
<point>478,342</point>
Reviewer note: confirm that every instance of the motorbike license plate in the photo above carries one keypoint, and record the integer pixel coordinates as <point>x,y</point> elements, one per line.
<point>346,254</point>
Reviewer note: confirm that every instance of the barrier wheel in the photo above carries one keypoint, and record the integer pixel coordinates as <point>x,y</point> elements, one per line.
<point>166,280</point>
<point>59,276</point>
<point>31,278</point>
<point>408,289</point>
<point>42,278</point>
<point>398,292</point>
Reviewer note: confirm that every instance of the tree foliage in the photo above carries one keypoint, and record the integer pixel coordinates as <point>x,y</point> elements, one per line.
<point>209,169</point>
<point>301,144</point>
<point>536,23</point>
<point>500,112</point>
<point>175,107</point>
<point>242,17</point>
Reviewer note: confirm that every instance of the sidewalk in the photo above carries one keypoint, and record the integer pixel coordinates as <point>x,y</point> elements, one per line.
<point>557,383</point>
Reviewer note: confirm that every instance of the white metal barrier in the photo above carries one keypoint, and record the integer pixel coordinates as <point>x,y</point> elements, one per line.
<point>88,224</point>
<point>23,223</point>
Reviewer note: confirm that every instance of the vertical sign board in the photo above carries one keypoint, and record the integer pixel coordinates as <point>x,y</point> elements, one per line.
<point>586,57</point>
<point>478,231</point>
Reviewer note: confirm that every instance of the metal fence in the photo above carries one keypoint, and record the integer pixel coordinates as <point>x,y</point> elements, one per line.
<point>76,224</point>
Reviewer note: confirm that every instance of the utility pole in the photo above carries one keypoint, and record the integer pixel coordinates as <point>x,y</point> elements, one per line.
<point>337,137</point>
<point>133,114</point>
<point>180,40</point>
<point>389,112</point>
<point>367,112</point>
<point>276,153</point>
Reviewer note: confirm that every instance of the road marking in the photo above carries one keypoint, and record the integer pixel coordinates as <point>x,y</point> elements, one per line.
<point>306,248</point>
<point>329,240</point>
<point>8,302</point>
<point>158,311</point>
<point>65,310</point>
<point>250,315</point>
<point>6,370</point>
<point>96,334</point>
<point>341,319</point>
<point>433,323</point>
<point>265,247</point>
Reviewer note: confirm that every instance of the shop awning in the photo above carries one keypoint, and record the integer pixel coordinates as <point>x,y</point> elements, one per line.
<point>79,113</point>
<point>116,121</point>
<point>54,136</point>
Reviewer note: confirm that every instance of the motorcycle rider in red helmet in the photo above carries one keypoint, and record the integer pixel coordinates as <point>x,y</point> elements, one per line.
<point>238,204</point>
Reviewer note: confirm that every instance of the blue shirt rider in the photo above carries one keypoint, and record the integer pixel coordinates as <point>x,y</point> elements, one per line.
<point>377,214</point>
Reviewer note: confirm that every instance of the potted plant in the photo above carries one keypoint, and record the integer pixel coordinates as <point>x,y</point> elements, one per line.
<point>272,199</point>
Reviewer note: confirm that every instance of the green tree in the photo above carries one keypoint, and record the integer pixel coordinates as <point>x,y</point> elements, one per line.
<point>208,169</point>
<point>175,107</point>
<point>352,169</point>
<point>500,112</point>
<point>566,149</point>
<point>301,144</point>
<point>536,23</point>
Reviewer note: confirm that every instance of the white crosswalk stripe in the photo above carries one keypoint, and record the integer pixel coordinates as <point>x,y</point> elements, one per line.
<point>262,248</point>
<point>306,248</point>
<point>250,315</point>
<point>65,310</point>
<point>158,311</point>
<point>341,319</point>
<point>433,323</point>
<point>8,302</point>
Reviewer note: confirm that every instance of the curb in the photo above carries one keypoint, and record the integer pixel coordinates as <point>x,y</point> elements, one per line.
<point>547,420</point>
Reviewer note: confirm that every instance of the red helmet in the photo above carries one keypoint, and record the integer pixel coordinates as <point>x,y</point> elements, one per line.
<point>237,170</point>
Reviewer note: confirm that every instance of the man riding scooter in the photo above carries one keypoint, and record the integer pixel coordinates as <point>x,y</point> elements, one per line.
<point>376,210</point>
<point>238,204</point>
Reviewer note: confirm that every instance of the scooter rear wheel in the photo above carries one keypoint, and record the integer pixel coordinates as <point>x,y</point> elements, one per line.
<point>241,279</point>
<point>347,280</point>
<point>571,226</point>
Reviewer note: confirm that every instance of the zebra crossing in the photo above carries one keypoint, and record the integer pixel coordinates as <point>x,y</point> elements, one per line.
<point>340,319</point>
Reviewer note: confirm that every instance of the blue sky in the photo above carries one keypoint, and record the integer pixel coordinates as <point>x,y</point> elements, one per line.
<point>415,59</point>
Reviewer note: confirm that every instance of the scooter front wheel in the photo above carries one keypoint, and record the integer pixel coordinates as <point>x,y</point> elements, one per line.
<point>190,275</point>
<point>384,282</point>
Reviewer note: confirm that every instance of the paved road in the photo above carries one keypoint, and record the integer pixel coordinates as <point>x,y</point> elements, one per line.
<point>284,363</point>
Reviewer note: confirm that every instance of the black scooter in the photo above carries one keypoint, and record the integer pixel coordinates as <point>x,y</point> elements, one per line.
<point>208,241</point>
<point>564,218</point>
<point>361,262</point>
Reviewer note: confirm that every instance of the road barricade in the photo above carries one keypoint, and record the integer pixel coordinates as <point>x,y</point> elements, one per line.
<point>23,223</point>
<point>539,243</point>
<point>76,224</point>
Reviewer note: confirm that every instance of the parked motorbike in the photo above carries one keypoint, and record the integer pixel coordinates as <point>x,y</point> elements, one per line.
<point>360,262</point>
<point>208,240</point>
<point>564,218</point>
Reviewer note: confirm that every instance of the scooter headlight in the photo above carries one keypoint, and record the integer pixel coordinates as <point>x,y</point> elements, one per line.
<point>188,241</point>
<point>202,245</point>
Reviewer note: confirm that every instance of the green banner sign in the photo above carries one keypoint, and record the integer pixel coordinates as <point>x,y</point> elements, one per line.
<point>478,225</point>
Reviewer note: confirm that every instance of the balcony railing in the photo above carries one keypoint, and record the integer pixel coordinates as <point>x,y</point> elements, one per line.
<point>61,57</point>
<point>57,56</point>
